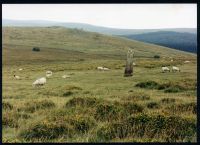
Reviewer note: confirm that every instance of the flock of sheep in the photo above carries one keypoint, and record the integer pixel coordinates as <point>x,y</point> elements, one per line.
<point>174,69</point>
<point>42,81</point>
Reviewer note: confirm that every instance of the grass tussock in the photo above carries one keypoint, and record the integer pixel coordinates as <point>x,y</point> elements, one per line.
<point>37,105</point>
<point>136,97</point>
<point>7,106</point>
<point>181,108</point>
<point>10,119</point>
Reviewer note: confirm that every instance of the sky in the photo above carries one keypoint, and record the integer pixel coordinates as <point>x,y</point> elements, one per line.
<point>125,16</point>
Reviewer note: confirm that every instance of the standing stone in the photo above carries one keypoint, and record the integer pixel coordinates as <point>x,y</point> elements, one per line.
<point>129,64</point>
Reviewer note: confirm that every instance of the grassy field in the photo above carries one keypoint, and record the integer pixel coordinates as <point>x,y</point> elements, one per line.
<point>91,105</point>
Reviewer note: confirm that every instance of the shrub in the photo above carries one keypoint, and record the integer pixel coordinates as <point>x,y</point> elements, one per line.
<point>104,132</point>
<point>163,86</point>
<point>47,130</point>
<point>130,107</point>
<point>152,105</point>
<point>168,100</point>
<point>172,90</point>
<point>81,123</point>
<point>156,56</point>
<point>148,84</point>
<point>105,111</point>
<point>169,128</point>
<point>84,102</point>
<point>67,93</point>
<point>36,49</point>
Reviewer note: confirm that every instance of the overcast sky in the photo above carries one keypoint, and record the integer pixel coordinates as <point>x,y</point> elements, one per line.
<point>128,16</point>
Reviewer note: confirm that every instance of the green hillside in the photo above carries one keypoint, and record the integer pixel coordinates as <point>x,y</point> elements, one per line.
<point>78,40</point>
<point>93,105</point>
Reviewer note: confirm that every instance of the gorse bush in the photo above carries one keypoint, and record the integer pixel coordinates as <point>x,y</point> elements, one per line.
<point>105,111</point>
<point>67,93</point>
<point>47,130</point>
<point>110,120</point>
<point>173,89</point>
<point>167,87</point>
<point>153,105</point>
<point>36,49</point>
<point>131,107</point>
<point>82,102</point>
<point>168,100</point>
<point>156,56</point>
<point>58,126</point>
<point>148,85</point>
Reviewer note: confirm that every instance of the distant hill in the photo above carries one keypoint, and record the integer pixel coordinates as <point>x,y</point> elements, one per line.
<point>88,27</point>
<point>60,38</point>
<point>181,41</point>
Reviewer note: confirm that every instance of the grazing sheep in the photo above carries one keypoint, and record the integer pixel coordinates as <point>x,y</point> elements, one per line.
<point>20,69</point>
<point>100,68</point>
<point>134,64</point>
<point>39,82</point>
<point>172,60</point>
<point>174,68</point>
<point>65,76</point>
<point>17,77</point>
<point>164,69</point>
<point>49,73</point>
<point>106,69</point>
<point>187,61</point>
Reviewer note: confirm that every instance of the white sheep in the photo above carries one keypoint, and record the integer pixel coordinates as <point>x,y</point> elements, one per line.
<point>65,76</point>
<point>106,69</point>
<point>49,73</point>
<point>172,60</point>
<point>100,68</point>
<point>134,64</point>
<point>187,61</point>
<point>20,69</point>
<point>174,68</point>
<point>17,77</point>
<point>39,82</point>
<point>164,69</point>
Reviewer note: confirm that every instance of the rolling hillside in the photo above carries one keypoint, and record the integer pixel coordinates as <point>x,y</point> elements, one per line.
<point>180,41</point>
<point>89,27</point>
<point>81,42</point>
